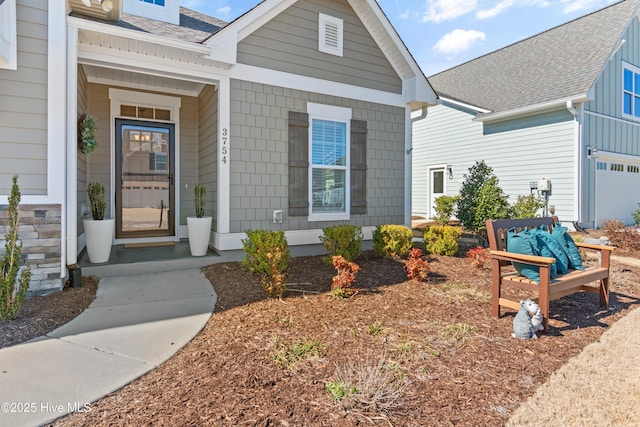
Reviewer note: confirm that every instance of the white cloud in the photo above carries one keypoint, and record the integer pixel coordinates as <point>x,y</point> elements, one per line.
<point>443,10</point>
<point>496,10</point>
<point>458,41</point>
<point>224,13</point>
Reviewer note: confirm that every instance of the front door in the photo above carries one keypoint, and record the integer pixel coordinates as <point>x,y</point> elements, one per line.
<point>436,184</point>
<point>144,179</point>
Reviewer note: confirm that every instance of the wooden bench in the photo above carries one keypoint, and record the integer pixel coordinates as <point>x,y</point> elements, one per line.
<point>548,289</point>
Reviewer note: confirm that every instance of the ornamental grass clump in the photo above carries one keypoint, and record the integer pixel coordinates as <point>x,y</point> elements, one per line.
<point>13,289</point>
<point>267,254</point>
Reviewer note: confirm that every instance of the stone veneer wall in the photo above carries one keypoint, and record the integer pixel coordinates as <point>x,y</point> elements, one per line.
<point>40,232</point>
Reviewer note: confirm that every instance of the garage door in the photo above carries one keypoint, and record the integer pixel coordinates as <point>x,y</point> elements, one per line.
<point>617,188</point>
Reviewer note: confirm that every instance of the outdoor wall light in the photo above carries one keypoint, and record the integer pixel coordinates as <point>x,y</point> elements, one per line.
<point>450,171</point>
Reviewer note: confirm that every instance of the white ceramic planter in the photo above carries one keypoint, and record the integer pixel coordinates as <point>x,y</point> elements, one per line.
<point>199,230</point>
<point>99,235</point>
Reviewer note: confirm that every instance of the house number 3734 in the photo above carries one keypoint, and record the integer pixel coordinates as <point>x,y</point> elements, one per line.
<point>224,148</point>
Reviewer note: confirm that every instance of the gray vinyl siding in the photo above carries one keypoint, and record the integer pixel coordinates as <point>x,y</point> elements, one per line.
<point>259,147</point>
<point>99,161</point>
<point>188,129</point>
<point>289,43</point>
<point>519,151</point>
<point>607,129</point>
<point>23,105</point>
<point>207,148</point>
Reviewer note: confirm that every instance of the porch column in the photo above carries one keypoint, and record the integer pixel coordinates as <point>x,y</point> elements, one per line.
<point>71,217</point>
<point>224,160</point>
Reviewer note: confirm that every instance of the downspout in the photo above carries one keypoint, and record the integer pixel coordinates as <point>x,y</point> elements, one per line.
<point>577,164</point>
<point>408,170</point>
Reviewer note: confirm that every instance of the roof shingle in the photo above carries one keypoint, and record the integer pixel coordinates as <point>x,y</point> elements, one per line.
<point>560,63</point>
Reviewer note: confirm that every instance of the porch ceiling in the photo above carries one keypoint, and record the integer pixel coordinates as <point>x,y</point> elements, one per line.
<point>133,80</point>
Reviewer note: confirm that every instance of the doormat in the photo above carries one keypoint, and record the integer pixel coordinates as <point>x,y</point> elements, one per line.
<point>148,245</point>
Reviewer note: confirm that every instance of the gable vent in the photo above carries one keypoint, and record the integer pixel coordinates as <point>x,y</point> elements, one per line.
<point>330,35</point>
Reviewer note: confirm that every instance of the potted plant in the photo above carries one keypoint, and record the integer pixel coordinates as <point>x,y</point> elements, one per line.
<point>199,226</point>
<point>98,231</point>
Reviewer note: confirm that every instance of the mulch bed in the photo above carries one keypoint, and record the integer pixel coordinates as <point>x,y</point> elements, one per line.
<point>40,315</point>
<point>430,349</point>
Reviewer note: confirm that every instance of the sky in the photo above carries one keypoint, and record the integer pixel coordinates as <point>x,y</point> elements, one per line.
<point>441,34</point>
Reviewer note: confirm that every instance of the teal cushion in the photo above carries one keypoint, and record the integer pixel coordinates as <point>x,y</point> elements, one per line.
<point>566,242</point>
<point>519,243</point>
<point>550,244</point>
<point>543,250</point>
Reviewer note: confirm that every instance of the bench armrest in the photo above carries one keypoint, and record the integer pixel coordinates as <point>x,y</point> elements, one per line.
<point>527,259</point>
<point>595,247</point>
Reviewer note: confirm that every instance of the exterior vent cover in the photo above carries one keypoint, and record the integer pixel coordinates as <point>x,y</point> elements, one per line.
<point>330,34</point>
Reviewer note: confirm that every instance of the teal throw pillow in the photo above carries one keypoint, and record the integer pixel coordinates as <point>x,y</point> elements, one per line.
<point>566,242</point>
<point>551,244</point>
<point>519,243</point>
<point>543,250</point>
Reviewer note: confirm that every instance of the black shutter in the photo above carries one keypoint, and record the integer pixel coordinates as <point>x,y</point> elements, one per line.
<point>298,164</point>
<point>358,167</point>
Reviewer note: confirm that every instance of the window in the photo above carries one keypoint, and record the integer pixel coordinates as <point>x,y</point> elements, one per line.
<point>160,161</point>
<point>329,160</point>
<point>327,164</point>
<point>330,34</point>
<point>156,2</point>
<point>631,91</point>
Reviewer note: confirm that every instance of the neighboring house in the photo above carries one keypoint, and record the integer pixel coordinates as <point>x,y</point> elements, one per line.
<point>562,105</point>
<point>295,116</point>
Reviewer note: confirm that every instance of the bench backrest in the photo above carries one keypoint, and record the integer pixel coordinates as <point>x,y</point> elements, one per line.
<point>497,229</point>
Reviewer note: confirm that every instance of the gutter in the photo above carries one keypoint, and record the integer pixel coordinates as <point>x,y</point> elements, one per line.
<point>531,109</point>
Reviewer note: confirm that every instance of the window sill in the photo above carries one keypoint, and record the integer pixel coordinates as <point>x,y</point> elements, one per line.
<point>338,216</point>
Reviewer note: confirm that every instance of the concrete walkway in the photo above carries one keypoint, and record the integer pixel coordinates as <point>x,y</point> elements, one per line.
<point>135,323</point>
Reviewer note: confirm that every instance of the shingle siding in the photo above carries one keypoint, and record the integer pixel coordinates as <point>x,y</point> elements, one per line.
<point>259,177</point>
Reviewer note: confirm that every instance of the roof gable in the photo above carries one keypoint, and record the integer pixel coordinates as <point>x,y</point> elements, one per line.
<point>562,63</point>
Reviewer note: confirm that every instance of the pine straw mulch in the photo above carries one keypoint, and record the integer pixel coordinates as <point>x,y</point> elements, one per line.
<point>40,315</point>
<point>401,353</point>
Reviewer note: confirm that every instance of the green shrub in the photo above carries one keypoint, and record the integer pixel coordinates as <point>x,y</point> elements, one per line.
<point>636,216</point>
<point>444,207</point>
<point>441,239</point>
<point>12,289</point>
<point>267,254</point>
<point>481,198</point>
<point>392,241</point>
<point>342,240</point>
<point>526,207</point>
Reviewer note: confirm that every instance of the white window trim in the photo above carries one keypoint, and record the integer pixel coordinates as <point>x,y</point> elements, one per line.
<point>636,70</point>
<point>118,97</point>
<point>325,21</point>
<point>8,35</point>
<point>336,114</point>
